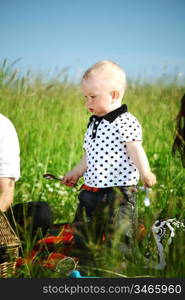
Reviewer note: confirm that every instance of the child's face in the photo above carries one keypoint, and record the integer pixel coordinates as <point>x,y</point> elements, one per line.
<point>98,96</point>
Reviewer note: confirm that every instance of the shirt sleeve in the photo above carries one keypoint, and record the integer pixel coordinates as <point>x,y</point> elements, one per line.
<point>130,129</point>
<point>9,151</point>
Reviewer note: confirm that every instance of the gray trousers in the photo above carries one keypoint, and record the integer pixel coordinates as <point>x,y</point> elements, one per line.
<point>105,213</point>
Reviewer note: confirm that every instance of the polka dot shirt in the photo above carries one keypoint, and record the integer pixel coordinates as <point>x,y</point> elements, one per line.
<point>105,144</point>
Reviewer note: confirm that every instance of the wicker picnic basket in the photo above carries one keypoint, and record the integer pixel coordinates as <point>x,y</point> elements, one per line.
<point>9,247</point>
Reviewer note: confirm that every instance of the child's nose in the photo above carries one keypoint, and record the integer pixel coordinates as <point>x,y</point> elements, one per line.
<point>89,101</point>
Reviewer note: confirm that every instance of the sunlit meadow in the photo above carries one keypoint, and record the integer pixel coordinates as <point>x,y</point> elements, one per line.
<point>50,118</point>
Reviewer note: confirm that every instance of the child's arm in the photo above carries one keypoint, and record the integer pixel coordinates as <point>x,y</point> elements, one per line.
<point>72,177</point>
<point>139,158</point>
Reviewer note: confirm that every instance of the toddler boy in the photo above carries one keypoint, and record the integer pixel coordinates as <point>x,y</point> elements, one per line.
<point>114,156</point>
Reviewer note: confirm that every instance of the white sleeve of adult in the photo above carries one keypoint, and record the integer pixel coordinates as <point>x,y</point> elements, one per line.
<point>9,150</point>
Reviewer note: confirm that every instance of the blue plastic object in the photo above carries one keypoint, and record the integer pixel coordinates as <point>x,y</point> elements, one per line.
<point>76,274</point>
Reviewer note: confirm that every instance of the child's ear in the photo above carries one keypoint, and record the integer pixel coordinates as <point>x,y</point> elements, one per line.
<point>115,95</point>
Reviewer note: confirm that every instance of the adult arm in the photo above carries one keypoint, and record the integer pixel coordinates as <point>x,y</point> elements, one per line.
<point>7,186</point>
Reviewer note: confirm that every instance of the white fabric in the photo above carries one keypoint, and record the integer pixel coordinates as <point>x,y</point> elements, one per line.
<point>9,149</point>
<point>108,161</point>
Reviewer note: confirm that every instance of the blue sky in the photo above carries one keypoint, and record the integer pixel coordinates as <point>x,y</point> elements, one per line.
<point>146,37</point>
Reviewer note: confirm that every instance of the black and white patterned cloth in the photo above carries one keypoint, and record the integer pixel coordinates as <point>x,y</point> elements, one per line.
<point>105,144</point>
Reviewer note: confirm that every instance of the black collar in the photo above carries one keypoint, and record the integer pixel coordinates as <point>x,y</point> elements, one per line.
<point>111,116</point>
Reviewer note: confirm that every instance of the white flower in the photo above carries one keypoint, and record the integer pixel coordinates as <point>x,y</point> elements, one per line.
<point>37,184</point>
<point>57,184</point>
<point>62,192</point>
<point>155,156</point>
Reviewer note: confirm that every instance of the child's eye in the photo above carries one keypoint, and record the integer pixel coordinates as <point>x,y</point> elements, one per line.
<point>90,97</point>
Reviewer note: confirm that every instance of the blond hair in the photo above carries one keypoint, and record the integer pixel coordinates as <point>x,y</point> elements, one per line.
<point>110,72</point>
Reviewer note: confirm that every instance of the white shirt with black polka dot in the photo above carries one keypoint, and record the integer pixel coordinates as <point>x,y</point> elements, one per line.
<point>108,162</point>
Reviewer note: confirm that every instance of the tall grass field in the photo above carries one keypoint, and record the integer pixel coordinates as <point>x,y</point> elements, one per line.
<point>50,118</point>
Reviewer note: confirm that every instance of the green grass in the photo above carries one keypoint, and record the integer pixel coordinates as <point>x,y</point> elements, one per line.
<point>50,118</point>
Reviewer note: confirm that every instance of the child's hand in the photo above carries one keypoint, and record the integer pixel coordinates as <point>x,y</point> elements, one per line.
<point>149,179</point>
<point>70,179</point>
